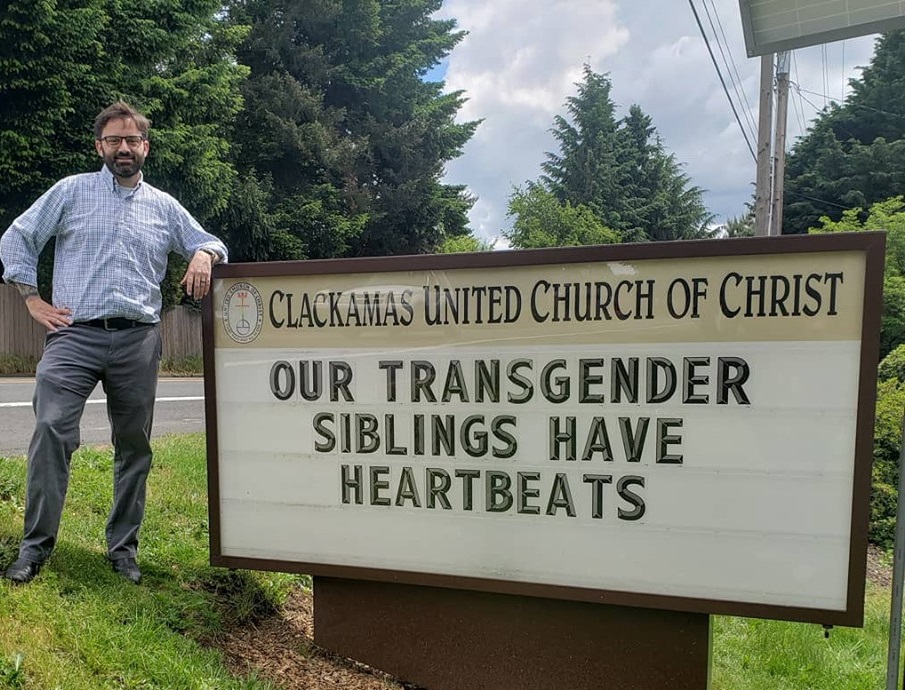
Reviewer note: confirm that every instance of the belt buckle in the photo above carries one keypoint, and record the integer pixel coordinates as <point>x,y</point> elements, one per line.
<point>107,326</point>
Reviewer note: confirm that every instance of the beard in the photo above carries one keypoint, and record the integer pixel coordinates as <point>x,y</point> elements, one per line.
<point>126,165</point>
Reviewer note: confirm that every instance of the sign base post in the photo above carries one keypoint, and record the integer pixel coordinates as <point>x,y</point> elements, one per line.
<point>449,639</point>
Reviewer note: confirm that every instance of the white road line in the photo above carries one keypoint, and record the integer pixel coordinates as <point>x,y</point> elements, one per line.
<point>98,401</point>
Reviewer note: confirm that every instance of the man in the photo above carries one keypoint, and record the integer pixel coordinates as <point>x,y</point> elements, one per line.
<point>113,234</point>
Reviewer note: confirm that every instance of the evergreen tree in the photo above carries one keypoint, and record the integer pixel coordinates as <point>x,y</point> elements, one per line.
<point>178,67</point>
<point>586,170</point>
<point>638,166</point>
<point>338,118</point>
<point>49,91</point>
<point>62,62</point>
<point>740,226</point>
<point>617,169</point>
<point>854,154</point>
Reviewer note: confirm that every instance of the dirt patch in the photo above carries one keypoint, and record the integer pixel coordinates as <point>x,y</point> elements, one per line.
<point>879,566</point>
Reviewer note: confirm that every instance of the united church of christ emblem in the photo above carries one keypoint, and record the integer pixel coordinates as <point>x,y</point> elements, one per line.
<point>243,312</point>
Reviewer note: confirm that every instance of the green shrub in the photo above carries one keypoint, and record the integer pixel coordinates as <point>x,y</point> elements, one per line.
<point>888,216</point>
<point>887,441</point>
<point>893,365</point>
<point>17,364</point>
<point>883,515</point>
<point>192,365</point>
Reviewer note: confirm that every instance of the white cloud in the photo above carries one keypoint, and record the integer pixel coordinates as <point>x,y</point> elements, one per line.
<point>517,65</point>
<point>521,59</point>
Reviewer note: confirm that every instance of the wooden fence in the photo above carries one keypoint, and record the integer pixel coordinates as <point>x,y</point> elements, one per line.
<point>20,335</point>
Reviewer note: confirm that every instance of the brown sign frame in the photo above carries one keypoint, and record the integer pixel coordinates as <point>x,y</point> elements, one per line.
<point>872,244</point>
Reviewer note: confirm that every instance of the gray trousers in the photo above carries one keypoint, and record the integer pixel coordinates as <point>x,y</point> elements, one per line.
<point>75,359</point>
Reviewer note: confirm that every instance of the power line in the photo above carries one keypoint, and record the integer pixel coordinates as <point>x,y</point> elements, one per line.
<point>844,130</point>
<point>799,114</point>
<point>814,198</point>
<point>808,101</point>
<point>729,62</point>
<point>832,99</point>
<point>817,108</point>
<point>748,108</point>
<point>843,69</point>
<point>827,99</point>
<point>849,105</point>
<point>800,106</point>
<point>722,81</point>
<point>826,84</point>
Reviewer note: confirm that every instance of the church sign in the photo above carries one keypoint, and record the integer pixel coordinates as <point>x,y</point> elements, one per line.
<point>681,426</point>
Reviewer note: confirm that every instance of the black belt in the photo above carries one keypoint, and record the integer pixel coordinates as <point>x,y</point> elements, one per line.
<point>115,324</point>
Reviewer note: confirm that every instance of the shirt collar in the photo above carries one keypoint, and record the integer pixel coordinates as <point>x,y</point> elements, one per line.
<point>110,181</point>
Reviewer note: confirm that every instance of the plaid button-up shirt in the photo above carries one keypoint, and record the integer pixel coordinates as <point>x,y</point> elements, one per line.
<point>111,245</point>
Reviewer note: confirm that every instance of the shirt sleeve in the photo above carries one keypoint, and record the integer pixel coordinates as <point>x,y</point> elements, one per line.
<point>21,244</point>
<point>189,236</point>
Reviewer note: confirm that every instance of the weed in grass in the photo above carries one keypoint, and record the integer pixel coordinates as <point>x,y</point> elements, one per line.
<point>191,614</point>
<point>11,673</point>
<point>12,491</point>
<point>94,458</point>
<point>244,600</point>
<point>10,486</point>
<point>9,550</point>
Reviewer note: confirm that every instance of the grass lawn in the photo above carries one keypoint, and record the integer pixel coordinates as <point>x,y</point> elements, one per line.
<point>772,655</point>
<point>78,626</point>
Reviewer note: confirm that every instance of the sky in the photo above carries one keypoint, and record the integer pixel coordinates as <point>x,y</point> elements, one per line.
<point>522,58</point>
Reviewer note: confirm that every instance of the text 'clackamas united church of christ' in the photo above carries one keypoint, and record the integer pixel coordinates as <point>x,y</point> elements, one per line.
<point>442,460</point>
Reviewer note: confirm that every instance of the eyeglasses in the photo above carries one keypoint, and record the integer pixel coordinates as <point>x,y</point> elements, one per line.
<point>114,142</point>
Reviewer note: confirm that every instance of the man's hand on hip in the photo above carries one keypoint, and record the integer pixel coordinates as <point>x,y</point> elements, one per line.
<point>47,315</point>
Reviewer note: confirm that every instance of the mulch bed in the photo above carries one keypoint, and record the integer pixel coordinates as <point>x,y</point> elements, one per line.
<point>281,649</point>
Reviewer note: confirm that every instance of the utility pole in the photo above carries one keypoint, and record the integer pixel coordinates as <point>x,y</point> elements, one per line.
<point>763,196</point>
<point>779,143</point>
<point>898,579</point>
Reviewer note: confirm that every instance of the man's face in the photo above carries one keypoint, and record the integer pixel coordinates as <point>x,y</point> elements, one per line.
<point>123,159</point>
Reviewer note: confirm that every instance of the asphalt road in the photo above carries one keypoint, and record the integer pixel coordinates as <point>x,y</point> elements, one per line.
<point>179,409</point>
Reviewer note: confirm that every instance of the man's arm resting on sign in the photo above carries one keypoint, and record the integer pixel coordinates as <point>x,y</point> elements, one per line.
<point>197,278</point>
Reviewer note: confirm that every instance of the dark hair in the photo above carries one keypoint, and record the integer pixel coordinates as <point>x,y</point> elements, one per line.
<point>121,111</point>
